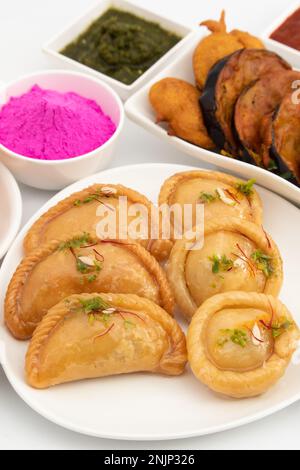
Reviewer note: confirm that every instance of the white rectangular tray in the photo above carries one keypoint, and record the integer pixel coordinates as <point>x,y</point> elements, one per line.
<point>139,110</point>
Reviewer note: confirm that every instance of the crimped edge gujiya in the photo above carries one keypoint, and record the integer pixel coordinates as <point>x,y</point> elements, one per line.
<point>159,248</point>
<point>177,260</point>
<point>239,384</point>
<point>12,314</point>
<point>171,363</point>
<point>169,187</point>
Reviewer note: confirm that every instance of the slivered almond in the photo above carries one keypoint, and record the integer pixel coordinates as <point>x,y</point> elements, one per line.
<point>256,335</point>
<point>224,198</point>
<point>87,260</point>
<point>107,190</point>
<point>108,311</point>
<point>238,263</point>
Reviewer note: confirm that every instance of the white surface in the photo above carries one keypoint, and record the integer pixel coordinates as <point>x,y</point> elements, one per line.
<point>164,407</point>
<point>10,209</point>
<point>57,174</point>
<point>140,111</point>
<point>71,32</point>
<point>36,21</point>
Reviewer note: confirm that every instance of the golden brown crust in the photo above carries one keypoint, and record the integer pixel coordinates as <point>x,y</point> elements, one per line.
<point>237,384</point>
<point>247,40</point>
<point>171,363</point>
<point>23,330</point>
<point>217,45</point>
<point>177,260</point>
<point>169,187</point>
<point>176,102</point>
<point>222,44</point>
<point>216,26</point>
<point>33,239</point>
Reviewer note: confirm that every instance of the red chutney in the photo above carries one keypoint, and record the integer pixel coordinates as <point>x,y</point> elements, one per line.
<point>289,32</point>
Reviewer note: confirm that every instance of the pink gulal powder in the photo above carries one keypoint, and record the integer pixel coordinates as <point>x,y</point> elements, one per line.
<point>48,125</point>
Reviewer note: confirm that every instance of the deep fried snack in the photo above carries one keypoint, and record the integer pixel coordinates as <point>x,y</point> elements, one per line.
<point>222,195</point>
<point>236,255</point>
<point>209,51</point>
<point>255,106</point>
<point>81,264</point>
<point>84,210</point>
<point>218,45</point>
<point>285,148</point>
<point>226,81</point>
<point>95,335</point>
<point>247,40</point>
<point>240,343</point>
<point>176,102</point>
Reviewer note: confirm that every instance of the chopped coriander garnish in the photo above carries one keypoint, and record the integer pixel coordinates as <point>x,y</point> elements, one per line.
<point>220,263</point>
<point>236,336</point>
<point>209,197</point>
<point>92,197</point>
<point>81,267</point>
<point>279,329</point>
<point>263,262</point>
<point>239,337</point>
<point>97,309</point>
<point>215,264</point>
<point>93,305</point>
<point>245,188</point>
<point>76,242</point>
<point>84,268</point>
<point>84,264</point>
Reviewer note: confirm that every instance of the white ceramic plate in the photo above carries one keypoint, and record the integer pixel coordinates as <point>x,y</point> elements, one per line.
<point>139,110</point>
<point>152,407</point>
<point>10,209</point>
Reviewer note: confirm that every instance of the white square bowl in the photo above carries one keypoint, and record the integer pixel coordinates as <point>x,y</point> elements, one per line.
<point>140,111</point>
<point>71,32</point>
<point>289,53</point>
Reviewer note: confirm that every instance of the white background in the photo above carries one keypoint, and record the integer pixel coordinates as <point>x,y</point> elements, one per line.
<point>24,27</point>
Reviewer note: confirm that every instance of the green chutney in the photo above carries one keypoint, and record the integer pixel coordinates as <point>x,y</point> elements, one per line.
<point>121,45</point>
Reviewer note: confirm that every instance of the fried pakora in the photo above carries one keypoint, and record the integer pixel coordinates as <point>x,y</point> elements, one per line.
<point>176,102</point>
<point>218,45</point>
